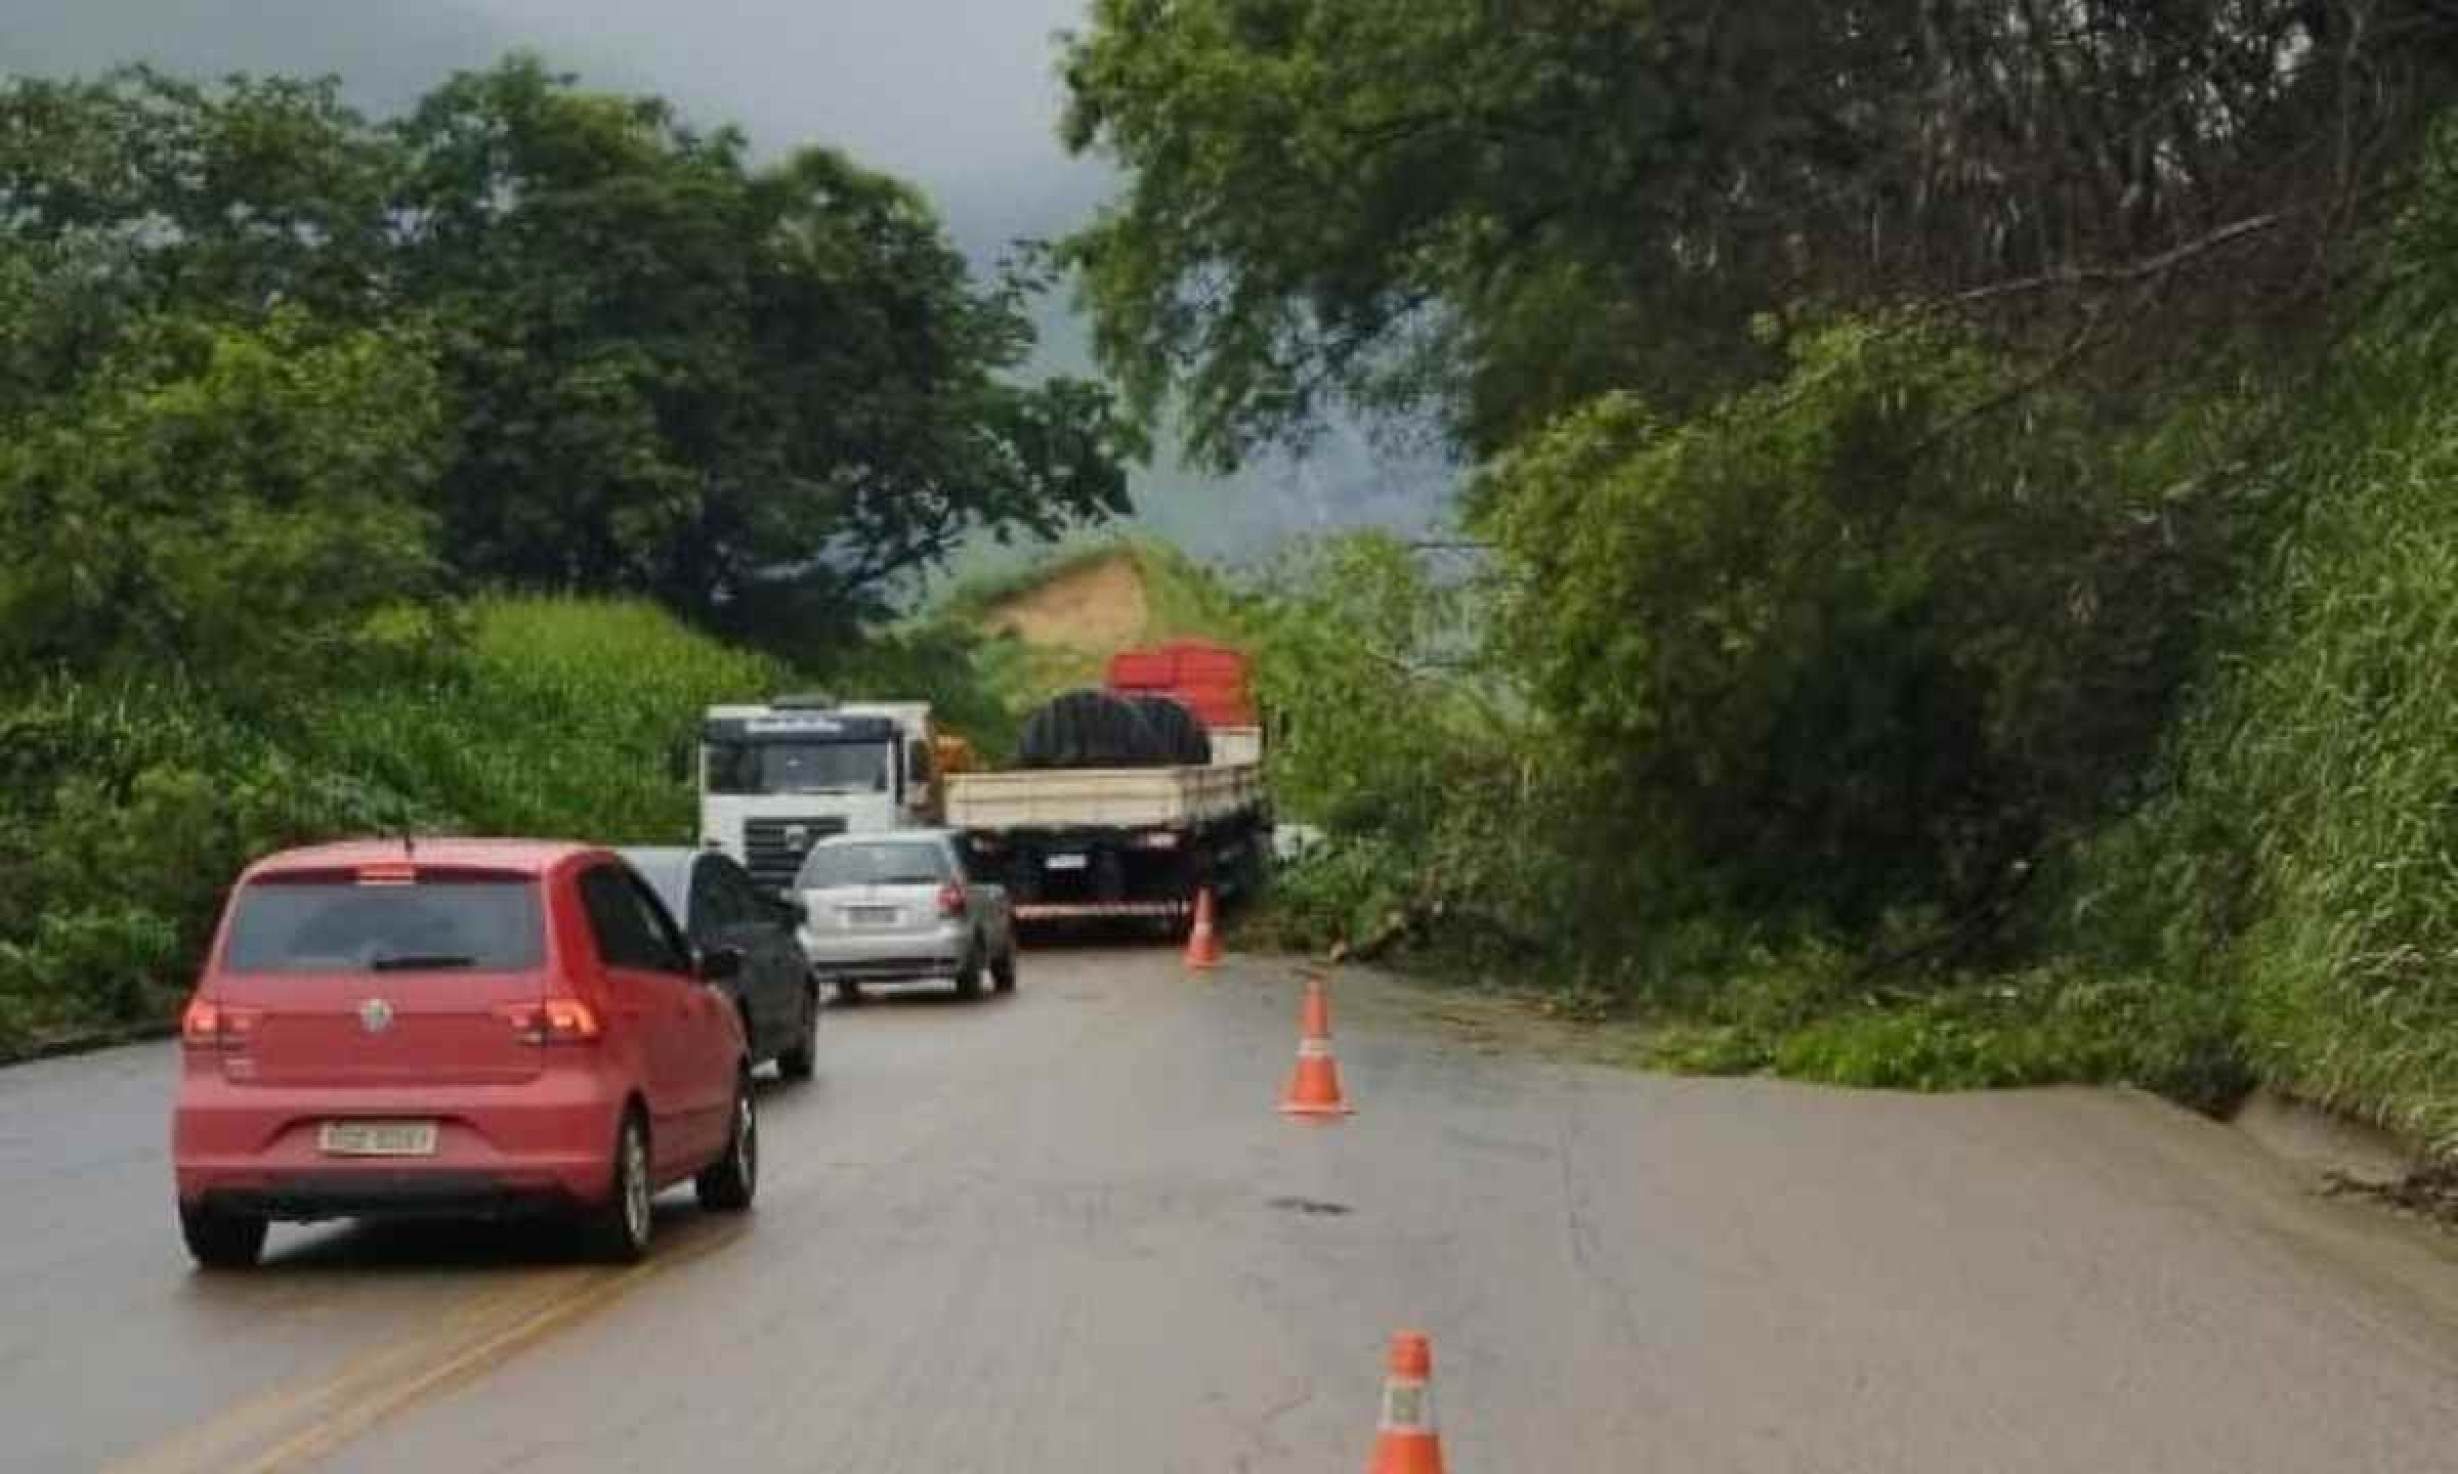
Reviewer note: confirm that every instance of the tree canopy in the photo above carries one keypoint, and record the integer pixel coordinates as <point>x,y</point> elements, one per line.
<point>1501,209</point>
<point>1865,400</point>
<point>759,394</point>
<point>719,385</point>
<point>228,506</point>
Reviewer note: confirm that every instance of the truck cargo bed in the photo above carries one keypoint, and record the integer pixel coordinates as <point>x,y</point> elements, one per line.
<point>1082,798</point>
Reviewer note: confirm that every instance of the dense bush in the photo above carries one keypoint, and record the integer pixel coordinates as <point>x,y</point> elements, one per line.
<point>126,809</point>
<point>1441,796</point>
<point>1475,833</point>
<point>1848,643</point>
<point>230,505</point>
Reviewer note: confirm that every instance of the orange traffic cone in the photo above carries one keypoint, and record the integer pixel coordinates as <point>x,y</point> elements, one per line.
<point>1406,1442</point>
<point>1203,942</point>
<point>1315,1022</point>
<point>1314,1090</point>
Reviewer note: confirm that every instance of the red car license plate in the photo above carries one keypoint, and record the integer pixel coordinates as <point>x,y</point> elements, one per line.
<point>377,1138</point>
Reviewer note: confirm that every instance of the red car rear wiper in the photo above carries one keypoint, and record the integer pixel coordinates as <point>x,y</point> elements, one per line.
<point>405,961</point>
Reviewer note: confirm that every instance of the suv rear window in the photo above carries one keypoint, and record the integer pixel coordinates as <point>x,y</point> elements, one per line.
<point>874,864</point>
<point>337,924</point>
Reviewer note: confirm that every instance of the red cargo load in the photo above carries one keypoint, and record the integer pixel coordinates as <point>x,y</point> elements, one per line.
<point>1210,680</point>
<point>1142,670</point>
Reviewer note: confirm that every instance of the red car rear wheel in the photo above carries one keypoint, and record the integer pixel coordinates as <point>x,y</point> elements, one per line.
<point>729,1182</point>
<point>221,1240</point>
<point>618,1229</point>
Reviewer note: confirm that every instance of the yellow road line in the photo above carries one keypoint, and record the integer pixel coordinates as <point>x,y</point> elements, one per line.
<point>221,1442</point>
<point>289,1426</point>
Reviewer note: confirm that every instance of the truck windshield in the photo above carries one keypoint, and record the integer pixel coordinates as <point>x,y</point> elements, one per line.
<point>800,767</point>
<point>339,925</point>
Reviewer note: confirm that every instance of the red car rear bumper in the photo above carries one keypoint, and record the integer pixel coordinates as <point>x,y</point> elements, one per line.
<point>500,1148</point>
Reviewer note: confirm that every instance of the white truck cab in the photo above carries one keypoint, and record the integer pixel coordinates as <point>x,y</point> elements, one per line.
<point>777,778</point>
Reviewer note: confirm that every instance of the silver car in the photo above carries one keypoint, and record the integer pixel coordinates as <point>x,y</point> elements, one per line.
<point>900,907</point>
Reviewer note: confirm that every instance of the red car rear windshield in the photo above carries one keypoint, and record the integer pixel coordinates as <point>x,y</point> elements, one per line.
<point>338,922</point>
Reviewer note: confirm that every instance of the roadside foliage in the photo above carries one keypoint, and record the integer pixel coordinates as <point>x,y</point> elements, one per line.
<point>1952,585</point>
<point>130,803</point>
<point>362,475</point>
<point>1956,497</point>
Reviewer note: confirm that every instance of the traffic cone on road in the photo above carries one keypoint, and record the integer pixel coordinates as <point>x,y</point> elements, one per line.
<point>1314,1090</point>
<point>1406,1442</point>
<point>1203,941</point>
<point>1315,1022</point>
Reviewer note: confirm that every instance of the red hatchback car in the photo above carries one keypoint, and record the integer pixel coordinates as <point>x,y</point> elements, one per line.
<point>455,1027</point>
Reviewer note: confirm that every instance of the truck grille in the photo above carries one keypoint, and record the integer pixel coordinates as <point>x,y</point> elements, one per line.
<point>773,848</point>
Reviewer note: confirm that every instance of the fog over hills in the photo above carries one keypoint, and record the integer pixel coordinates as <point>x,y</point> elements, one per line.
<point>958,96</point>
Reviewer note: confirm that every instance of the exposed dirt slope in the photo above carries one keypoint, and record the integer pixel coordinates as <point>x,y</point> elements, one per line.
<point>1097,608</point>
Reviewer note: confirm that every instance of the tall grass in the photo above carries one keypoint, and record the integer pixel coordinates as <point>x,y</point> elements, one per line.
<point>2300,857</point>
<point>127,809</point>
<point>564,717</point>
<point>1186,599</point>
<point>2304,861</point>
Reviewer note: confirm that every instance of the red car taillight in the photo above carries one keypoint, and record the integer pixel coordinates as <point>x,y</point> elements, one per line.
<point>554,1021</point>
<point>951,900</point>
<point>210,1025</point>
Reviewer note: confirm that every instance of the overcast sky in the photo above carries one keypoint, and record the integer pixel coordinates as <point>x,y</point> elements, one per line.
<point>959,96</point>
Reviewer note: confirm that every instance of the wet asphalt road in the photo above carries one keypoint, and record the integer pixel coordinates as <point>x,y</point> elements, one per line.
<point>1067,1232</point>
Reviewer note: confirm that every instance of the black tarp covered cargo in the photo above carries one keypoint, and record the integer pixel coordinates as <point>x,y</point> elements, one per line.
<point>1090,729</point>
<point>1181,733</point>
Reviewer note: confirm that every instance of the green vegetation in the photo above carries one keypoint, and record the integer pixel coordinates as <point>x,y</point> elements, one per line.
<point>1187,600</point>
<point>1955,579</point>
<point>759,395</point>
<point>1964,582</point>
<point>224,504</point>
<point>129,805</point>
<point>357,475</point>
<point>2299,855</point>
<point>556,716</point>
